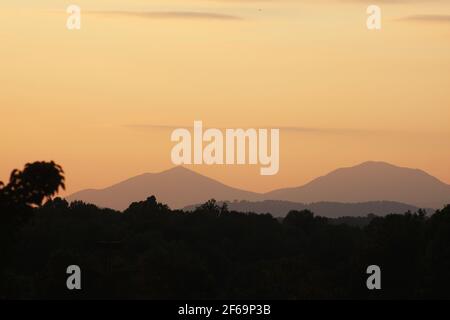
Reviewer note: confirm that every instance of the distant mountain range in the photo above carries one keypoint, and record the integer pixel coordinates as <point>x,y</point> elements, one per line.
<point>279,208</point>
<point>367,182</point>
<point>177,187</point>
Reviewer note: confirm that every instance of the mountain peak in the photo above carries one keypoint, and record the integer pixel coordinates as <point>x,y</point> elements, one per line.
<point>177,170</point>
<point>371,181</point>
<point>177,187</point>
<point>372,163</point>
<point>368,181</point>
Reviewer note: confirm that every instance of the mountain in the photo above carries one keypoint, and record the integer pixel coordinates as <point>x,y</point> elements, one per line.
<point>177,187</point>
<point>325,209</point>
<point>371,181</point>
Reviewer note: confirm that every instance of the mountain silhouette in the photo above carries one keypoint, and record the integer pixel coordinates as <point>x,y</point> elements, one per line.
<point>370,181</point>
<point>280,209</point>
<point>177,187</point>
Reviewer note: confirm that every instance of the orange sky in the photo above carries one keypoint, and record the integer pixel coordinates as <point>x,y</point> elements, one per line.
<point>92,100</point>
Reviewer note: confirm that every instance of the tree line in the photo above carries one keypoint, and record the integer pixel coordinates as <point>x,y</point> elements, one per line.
<point>150,251</point>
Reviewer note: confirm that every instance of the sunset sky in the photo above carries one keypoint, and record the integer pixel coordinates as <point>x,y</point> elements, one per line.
<point>102,101</point>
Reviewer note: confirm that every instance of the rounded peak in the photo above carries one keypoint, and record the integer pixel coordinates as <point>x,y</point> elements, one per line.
<point>374,168</point>
<point>367,166</point>
<point>381,165</point>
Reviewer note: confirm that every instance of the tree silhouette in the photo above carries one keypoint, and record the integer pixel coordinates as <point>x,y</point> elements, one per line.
<point>36,182</point>
<point>150,251</point>
<point>213,208</point>
<point>304,220</point>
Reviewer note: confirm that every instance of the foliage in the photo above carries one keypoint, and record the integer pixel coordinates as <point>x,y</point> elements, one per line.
<point>152,252</point>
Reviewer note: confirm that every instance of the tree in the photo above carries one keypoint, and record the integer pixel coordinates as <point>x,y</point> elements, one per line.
<point>38,181</point>
<point>209,206</point>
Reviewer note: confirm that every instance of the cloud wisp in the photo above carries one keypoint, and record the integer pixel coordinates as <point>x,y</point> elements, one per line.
<point>427,18</point>
<point>287,129</point>
<point>189,15</point>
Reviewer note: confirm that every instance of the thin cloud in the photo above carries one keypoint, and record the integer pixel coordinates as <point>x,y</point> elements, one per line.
<point>287,129</point>
<point>192,15</point>
<point>431,18</point>
<point>299,130</point>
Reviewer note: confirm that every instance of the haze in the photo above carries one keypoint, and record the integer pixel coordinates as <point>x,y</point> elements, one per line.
<point>102,101</point>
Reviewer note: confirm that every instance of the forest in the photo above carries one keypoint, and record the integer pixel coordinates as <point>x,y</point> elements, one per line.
<point>149,251</point>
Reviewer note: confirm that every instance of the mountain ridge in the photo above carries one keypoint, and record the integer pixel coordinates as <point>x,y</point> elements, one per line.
<point>365,182</point>
<point>370,181</point>
<point>166,186</point>
<point>280,208</point>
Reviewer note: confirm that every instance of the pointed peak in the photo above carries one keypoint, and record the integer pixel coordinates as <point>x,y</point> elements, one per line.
<point>177,169</point>
<point>372,163</point>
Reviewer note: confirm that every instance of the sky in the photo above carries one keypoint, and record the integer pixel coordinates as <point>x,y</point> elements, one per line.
<point>102,101</point>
